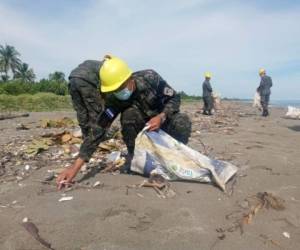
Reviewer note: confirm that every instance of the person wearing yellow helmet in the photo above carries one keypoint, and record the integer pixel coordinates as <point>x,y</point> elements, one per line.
<point>142,99</point>
<point>207,94</point>
<point>264,90</point>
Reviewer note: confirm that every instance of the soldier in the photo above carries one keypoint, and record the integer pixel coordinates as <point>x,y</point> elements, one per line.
<point>264,91</point>
<point>207,95</point>
<point>141,98</point>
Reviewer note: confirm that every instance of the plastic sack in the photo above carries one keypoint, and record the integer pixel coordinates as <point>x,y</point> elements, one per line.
<point>158,152</point>
<point>256,101</point>
<point>293,112</point>
<point>217,100</point>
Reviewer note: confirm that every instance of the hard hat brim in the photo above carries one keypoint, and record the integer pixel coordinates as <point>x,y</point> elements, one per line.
<point>117,85</point>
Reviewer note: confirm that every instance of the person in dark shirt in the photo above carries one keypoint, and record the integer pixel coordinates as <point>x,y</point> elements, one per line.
<point>101,90</point>
<point>207,95</point>
<point>264,90</point>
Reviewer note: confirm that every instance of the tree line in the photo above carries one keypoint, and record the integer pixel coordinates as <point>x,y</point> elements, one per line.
<point>16,77</point>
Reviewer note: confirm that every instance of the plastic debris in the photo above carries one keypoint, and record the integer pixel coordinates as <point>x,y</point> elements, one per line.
<point>286,235</point>
<point>293,113</point>
<point>60,123</point>
<point>21,126</point>
<point>96,184</point>
<point>77,133</point>
<point>37,146</point>
<point>66,198</point>
<point>159,153</point>
<point>25,219</point>
<point>256,101</point>
<point>27,167</point>
<point>114,156</point>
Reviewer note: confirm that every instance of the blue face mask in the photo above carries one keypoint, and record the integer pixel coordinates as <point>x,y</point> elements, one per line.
<point>123,94</point>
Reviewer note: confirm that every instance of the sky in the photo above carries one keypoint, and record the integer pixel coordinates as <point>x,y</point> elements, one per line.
<point>180,39</point>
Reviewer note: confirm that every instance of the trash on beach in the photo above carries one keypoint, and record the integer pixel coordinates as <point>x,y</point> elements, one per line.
<point>251,206</point>
<point>32,229</point>
<point>256,101</point>
<point>37,146</point>
<point>293,113</point>
<point>59,123</point>
<point>159,153</point>
<point>96,184</point>
<point>66,198</point>
<point>77,133</point>
<point>25,219</point>
<point>110,145</point>
<point>65,137</point>
<point>260,201</point>
<point>114,161</point>
<point>160,185</point>
<point>49,177</point>
<point>286,235</point>
<point>216,100</point>
<point>21,126</point>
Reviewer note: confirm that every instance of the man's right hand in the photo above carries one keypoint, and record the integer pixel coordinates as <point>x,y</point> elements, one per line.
<point>66,177</point>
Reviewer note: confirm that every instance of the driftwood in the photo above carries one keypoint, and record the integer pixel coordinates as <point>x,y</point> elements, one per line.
<point>12,116</point>
<point>34,232</point>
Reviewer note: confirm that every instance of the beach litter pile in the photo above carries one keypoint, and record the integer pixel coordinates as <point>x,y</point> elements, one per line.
<point>293,113</point>
<point>56,149</point>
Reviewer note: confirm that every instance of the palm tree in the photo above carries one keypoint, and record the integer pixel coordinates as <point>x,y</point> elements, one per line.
<point>57,76</point>
<point>24,73</point>
<point>9,59</point>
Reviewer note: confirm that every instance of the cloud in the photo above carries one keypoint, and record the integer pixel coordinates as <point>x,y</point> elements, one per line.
<point>178,39</point>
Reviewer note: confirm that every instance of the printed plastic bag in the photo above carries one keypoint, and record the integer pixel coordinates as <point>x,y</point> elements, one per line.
<point>158,152</point>
<point>256,101</point>
<point>217,100</point>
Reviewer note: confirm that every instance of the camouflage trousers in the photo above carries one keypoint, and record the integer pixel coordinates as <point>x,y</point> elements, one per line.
<point>208,105</point>
<point>264,100</point>
<point>133,121</point>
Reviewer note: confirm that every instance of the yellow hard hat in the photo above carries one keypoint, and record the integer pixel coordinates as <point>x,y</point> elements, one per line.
<point>113,73</point>
<point>262,71</point>
<point>207,74</point>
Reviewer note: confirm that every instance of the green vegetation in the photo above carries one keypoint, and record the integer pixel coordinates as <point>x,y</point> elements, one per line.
<point>37,102</point>
<point>17,87</point>
<point>189,98</point>
<point>20,92</point>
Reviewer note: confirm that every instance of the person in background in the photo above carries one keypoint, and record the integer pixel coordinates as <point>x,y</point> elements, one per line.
<point>101,90</point>
<point>264,91</point>
<point>207,95</point>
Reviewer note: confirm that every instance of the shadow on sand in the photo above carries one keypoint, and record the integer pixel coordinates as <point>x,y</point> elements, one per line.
<point>295,128</point>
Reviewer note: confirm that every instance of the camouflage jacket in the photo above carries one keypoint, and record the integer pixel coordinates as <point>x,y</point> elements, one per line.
<point>152,96</point>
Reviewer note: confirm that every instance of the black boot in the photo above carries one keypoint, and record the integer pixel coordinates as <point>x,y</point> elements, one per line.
<point>125,169</point>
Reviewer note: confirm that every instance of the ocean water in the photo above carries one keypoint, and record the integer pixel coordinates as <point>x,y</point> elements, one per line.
<point>285,103</point>
<point>279,103</point>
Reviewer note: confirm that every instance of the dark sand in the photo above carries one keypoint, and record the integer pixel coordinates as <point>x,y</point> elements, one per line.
<point>266,150</point>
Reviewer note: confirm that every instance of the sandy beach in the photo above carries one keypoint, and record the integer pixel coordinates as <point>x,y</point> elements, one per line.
<point>197,216</point>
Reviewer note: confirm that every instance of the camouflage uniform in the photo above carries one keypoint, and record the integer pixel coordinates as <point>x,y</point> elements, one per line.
<point>151,97</point>
<point>207,97</point>
<point>264,90</point>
